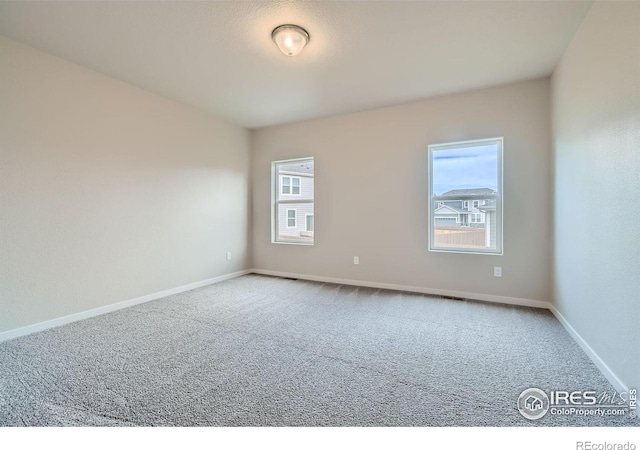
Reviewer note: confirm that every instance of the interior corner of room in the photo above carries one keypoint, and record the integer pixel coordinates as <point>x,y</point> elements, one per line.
<point>112,195</point>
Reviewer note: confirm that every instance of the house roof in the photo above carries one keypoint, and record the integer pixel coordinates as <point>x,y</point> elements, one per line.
<point>476,192</point>
<point>301,167</point>
<point>452,208</point>
<point>489,206</point>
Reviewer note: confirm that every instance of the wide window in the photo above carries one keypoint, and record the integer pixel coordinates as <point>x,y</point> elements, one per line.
<point>292,219</point>
<point>460,173</point>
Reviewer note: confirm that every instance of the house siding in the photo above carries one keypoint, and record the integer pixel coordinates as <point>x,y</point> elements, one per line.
<point>444,214</point>
<point>302,209</point>
<point>301,225</point>
<point>494,229</point>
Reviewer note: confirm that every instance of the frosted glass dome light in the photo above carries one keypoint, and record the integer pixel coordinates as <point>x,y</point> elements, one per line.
<point>290,39</point>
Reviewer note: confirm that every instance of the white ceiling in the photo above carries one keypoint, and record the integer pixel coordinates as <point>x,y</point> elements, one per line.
<point>218,56</point>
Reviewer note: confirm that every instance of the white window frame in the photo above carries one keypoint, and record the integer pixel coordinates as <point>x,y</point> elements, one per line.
<point>499,251</point>
<point>295,218</point>
<point>475,203</point>
<point>465,204</point>
<point>276,190</point>
<point>307,223</point>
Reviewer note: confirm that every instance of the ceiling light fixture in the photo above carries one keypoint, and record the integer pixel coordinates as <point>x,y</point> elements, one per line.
<point>290,39</point>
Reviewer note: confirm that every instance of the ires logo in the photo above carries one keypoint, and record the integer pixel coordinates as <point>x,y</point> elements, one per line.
<point>534,403</point>
<point>575,398</point>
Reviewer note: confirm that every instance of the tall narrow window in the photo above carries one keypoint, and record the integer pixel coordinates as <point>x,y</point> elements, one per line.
<point>466,172</point>
<point>292,219</point>
<point>286,185</point>
<point>309,218</point>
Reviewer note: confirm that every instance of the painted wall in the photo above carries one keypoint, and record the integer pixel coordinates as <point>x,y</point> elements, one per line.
<point>596,128</point>
<point>371,192</point>
<point>108,192</point>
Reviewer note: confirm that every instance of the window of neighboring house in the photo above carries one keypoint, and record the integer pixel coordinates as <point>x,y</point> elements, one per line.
<point>462,169</point>
<point>309,222</point>
<point>290,185</point>
<point>286,185</point>
<point>291,218</point>
<point>292,197</point>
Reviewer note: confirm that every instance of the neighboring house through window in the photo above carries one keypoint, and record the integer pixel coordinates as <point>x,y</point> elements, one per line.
<point>463,174</point>
<point>290,185</point>
<point>292,220</point>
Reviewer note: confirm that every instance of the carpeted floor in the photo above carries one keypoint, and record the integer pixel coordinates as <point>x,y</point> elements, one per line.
<point>258,351</point>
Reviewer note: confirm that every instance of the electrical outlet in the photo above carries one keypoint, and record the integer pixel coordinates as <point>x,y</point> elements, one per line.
<point>228,256</point>
<point>497,271</point>
<point>356,260</point>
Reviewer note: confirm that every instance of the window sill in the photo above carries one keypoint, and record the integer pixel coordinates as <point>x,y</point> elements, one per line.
<point>292,243</point>
<point>466,252</point>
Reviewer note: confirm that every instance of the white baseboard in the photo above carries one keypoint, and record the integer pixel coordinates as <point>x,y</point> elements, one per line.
<point>421,290</point>
<point>41,326</point>
<point>600,364</point>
